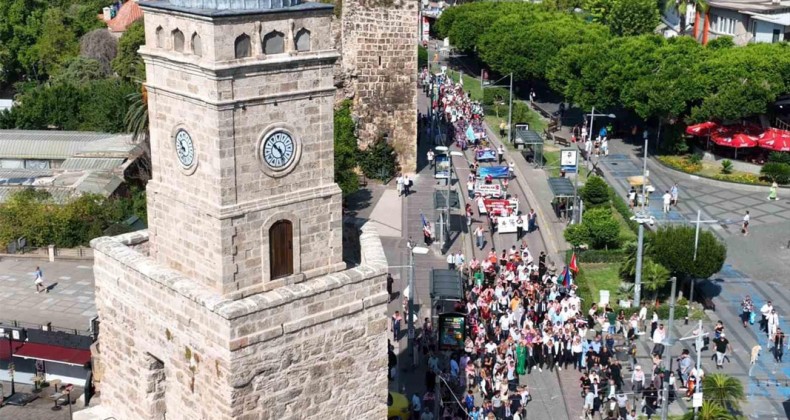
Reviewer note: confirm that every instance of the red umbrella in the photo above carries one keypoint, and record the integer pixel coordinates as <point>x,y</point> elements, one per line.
<point>727,137</point>
<point>776,140</point>
<point>702,129</point>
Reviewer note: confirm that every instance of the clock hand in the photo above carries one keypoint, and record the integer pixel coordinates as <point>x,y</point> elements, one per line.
<point>276,146</point>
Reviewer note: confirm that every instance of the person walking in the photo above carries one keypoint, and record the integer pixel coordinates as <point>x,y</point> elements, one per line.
<point>722,346</point>
<point>502,126</point>
<point>397,319</point>
<point>501,153</point>
<point>430,157</point>
<point>406,185</point>
<point>772,191</point>
<point>450,261</point>
<point>480,237</point>
<point>765,310</point>
<point>519,227</point>
<point>745,226</point>
<point>779,343</point>
<point>39,281</point>
<point>399,184</point>
<point>674,193</point>
<point>747,311</point>
<point>532,220</point>
<point>667,197</point>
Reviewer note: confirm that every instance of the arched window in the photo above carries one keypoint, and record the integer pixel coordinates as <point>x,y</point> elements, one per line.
<point>274,43</point>
<point>197,47</point>
<point>243,46</point>
<point>281,261</point>
<point>302,40</point>
<point>160,37</point>
<point>178,40</point>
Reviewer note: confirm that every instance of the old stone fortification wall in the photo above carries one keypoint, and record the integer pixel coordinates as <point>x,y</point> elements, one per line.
<point>306,351</point>
<point>378,40</point>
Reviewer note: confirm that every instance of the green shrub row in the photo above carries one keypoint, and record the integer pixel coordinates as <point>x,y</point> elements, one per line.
<point>598,255</point>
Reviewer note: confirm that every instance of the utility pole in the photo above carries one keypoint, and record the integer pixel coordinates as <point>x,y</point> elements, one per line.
<point>412,250</point>
<point>641,234</point>
<point>700,343</point>
<point>510,113</point>
<point>698,222</point>
<point>668,345</point>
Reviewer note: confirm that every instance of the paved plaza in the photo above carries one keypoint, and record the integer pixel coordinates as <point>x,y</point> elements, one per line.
<point>68,305</point>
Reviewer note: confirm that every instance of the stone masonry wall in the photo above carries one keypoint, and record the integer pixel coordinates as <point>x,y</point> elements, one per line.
<point>379,65</point>
<point>312,350</point>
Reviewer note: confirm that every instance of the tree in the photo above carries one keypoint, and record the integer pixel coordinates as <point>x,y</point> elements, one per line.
<point>54,45</point>
<point>20,23</point>
<point>346,150</point>
<point>604,231</point>
<point>673,247</point>
<point>701,9</point>
<point>80,70</point>
<point>101,46</point>
<point>633,17</point>
<point>724,390</point>
<point>379,160</point>
<point>710,410</point>
<point>595,193</point>
<point>136,120</point>
<point>127,63</point>
<point>654,276</point>
<point>105,105</point>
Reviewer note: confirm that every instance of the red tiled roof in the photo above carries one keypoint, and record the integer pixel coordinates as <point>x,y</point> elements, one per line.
<point>128,14</point>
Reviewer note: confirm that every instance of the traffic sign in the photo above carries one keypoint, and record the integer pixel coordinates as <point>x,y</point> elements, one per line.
<point>696,400</point>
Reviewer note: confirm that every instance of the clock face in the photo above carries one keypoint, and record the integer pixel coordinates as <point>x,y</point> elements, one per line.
<point>278,150</point>
<point>185,148</point>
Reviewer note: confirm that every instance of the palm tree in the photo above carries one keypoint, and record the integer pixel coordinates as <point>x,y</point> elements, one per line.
<point>724,390</point>
<point>654,277</point>
<point>710,411</point>
<point>680,7</point>
<point>701,8</point>
<point>136,120</point>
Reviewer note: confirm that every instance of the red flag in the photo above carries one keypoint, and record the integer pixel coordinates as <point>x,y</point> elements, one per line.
<point>572,265</point>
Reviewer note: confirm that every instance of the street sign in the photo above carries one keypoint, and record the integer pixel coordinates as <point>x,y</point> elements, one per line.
<point>411,332</point>
<point>568,160</point>
<point>696,400</point>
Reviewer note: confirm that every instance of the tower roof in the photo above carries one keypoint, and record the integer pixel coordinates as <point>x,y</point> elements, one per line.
<point>234,7</point>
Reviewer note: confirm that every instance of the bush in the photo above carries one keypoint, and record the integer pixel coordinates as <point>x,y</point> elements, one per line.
<point>379,161</point>
<point>695,158</point>
<point>346,150</point>
<point>776,172</point>
<point>619,204</point>
<point>779,157</point>
<point>595,193</point>
<point>597,255</point>
<point>33,215</point>
<point>726,166</point>
<point>681,163</point>
<point>604,231</point>
<point>576,235</point>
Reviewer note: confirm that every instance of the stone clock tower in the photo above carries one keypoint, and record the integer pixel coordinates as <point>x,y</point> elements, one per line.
<point>236,303</point>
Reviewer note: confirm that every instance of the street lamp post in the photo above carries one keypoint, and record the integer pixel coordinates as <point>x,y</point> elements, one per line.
<point>420,251</point>
<point>641,218</point>
<point>698,222</point>
<point>9,334</point>
<point>668,341</point>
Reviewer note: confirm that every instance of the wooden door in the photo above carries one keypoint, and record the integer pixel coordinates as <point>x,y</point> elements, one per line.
<point>281,249</point>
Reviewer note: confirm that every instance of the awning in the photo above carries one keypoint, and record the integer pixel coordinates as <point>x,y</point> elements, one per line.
<point>736,141</point>
<point>561,187</point>
<point>446,285</point>
<point>57,354</point>
<point>702,129</point>
<point>776,140</point>
<point>528,137</point>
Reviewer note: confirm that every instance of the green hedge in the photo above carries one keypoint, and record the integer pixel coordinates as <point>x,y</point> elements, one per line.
<point>622,207</point>
<point>597,255</point>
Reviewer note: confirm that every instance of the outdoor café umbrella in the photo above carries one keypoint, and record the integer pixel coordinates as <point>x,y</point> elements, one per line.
<point>776,140</point>
<point>728,138</point>
<point>702,129</point>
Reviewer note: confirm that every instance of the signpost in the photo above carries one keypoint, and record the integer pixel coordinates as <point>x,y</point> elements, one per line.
<point>569,158</point>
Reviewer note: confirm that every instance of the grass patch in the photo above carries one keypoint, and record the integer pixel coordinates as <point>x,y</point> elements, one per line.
<point>626,234</point>
<point>603,276</point>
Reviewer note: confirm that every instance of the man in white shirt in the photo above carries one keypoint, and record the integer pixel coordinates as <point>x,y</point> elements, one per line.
<point>658,339</point>
<point>642,319</point>
<point>501,152</point>
<point>450,261</point>
<point>430,157</point>
<point>765,311</point>
<point>667,197</point>
<point>459,260</point>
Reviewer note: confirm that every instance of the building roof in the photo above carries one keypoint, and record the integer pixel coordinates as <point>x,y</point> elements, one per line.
<point>42,144</point>
<point>750,5</point>
<point>231,8</point>
<point>777,18</point>
<point>561,187</point>
<point>129,13</point>
<point>92,162</point>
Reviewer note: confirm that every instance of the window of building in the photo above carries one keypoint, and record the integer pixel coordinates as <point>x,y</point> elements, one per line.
<point>281,249</point>
<point>274,43</point>
<point>723,25</point>
<point>243,46</point>
<point>160,37</point>
<point>178,40</point>
<point>302,41</point>
<point>197,46</point>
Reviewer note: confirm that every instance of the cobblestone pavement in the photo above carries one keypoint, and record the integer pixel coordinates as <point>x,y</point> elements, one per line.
<point>69,303</point>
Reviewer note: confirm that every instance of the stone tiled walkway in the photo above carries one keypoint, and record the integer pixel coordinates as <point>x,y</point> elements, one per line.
<point>69,304</point>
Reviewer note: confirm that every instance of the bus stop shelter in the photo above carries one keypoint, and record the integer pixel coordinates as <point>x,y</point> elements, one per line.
<point>530,143</point>
<point>562,191</point>
<point>447,290</point>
